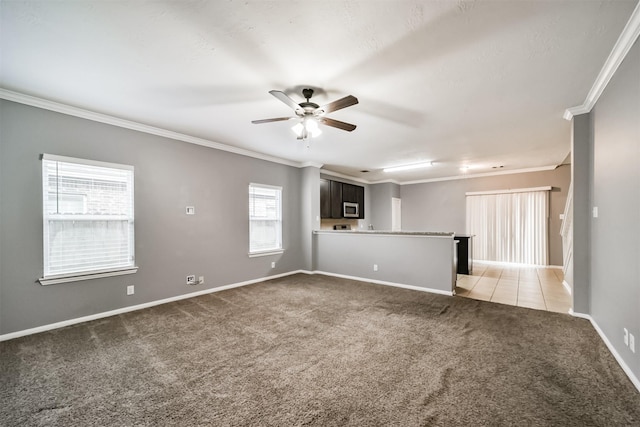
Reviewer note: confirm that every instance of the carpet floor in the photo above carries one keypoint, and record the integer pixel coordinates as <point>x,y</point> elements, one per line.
<point>321,351</point>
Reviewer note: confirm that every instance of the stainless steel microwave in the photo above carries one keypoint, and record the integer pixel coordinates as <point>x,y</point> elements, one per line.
<point>350,210</point>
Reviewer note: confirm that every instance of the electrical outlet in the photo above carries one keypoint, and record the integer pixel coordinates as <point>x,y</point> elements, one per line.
<point>201,280</point>
<point>632,343</point>
<point>626,336</point>
<point>375,267</point>
<point>130,290</point>
<point>595,212</point>
<point>191,279</point>
<point>273,264</point>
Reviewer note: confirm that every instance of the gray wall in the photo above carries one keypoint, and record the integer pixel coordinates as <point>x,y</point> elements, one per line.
<point>615,234</point>
<point>581,175</point>
<point>421,261</point>
<point>381,195</point>
<point>309,212</point>
<point>441,206</point>
<point>169,175</point>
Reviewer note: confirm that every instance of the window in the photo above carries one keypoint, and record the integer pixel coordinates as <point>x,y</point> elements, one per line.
<point>265,219</point>
<point>510,226</point>
<point>88,218</point>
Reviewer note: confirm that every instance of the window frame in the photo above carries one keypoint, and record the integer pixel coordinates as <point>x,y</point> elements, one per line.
<point>72,276</point>
<point>280,248</point>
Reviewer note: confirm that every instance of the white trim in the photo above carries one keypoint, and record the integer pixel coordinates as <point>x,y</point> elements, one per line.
<point>516,190</point>
<point>624,43</point>
<point>341,175</point>
<point>384,181</point>
<point>311,164</point>
<point>270,187</point>
<point>567,286</point>
<point>611,348</point>
<point>123,310</point>
<point>127,124</point>
<point>446,178</point>
<point>266,253</point>
<point>65,159</point>
<point>478,175</point>
<point>54,280</point>
<point>382,282</point>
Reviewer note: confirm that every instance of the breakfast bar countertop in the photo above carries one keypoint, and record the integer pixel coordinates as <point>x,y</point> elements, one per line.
<point>394,233</point>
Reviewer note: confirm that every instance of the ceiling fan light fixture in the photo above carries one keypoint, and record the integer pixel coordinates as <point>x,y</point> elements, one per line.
<point>308,127</point>
<point>408,167</point>
<point>312,114</point>
<point>298,129</point>
<point>311,125</point>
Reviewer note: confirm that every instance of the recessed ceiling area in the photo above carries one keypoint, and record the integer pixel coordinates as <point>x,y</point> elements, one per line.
<point>474,84</point>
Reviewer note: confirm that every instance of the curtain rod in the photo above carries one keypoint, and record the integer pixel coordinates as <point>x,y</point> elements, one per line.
<point>517,190</point>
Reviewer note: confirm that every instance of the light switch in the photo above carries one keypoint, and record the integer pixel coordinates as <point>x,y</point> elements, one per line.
<point>595,212</point>
<point>191,210</point>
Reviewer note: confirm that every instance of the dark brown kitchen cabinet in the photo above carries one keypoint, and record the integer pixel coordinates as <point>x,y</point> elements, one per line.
<point>325,198</point>
<point>348,193</point>
<point>360,201</point>
<point>334,193</point>
<point>336,199</point>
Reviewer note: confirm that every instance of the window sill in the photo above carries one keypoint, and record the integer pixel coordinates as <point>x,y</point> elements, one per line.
<point>265,253</point>
<point>53,280</point>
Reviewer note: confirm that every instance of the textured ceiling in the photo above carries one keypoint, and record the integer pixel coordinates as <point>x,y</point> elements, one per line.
<point>478,83</point>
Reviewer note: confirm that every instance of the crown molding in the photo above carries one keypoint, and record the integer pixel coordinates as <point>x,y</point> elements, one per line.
<point>311,164</point>
<point>626,40</point>
<point>446,178</point>
<point>479,175</point>
<point>127,124</point>
<point>341,175</point>
<point>386,181</point>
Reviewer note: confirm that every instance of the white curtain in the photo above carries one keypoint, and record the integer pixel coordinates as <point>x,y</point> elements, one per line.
<point>509,227</point>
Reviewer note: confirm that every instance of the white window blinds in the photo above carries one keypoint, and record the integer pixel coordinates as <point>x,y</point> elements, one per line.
<point>88,216</point>
<point>265,218</point>
<point>509,227</point>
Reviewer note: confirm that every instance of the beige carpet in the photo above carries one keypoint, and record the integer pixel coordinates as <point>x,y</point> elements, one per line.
<point>316,350</point>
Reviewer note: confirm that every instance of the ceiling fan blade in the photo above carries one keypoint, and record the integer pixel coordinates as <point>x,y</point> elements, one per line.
<point>277,119</point>
<point>287,100</point>
<point>337,124</point>
<point>341,103</point>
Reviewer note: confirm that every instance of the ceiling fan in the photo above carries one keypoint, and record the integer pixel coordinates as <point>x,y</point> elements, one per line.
<point>312,114</point>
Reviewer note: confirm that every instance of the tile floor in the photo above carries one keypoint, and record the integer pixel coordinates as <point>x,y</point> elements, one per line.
<point>538,288</point>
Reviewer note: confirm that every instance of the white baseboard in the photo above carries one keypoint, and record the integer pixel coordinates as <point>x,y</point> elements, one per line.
<point>567,286</point>
<point>104,314</point>
<point>611,348</point>
<point>382,282</point>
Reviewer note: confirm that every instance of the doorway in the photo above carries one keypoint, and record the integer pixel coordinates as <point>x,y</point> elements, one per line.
<point>396,214</point>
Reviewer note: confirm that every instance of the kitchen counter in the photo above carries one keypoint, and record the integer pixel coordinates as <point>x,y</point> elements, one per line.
<point>393,233</point>
<point>421,260</point>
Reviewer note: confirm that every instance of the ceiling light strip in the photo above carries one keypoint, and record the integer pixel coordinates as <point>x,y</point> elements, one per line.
<point>408,167</point>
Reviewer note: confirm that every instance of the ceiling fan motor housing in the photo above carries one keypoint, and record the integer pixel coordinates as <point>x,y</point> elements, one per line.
<point>307,93</point>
